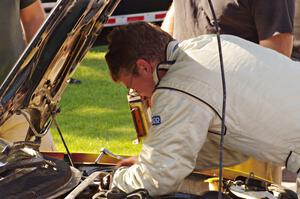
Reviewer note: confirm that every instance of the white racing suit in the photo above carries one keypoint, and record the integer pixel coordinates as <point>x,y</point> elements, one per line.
<point>262,112</point>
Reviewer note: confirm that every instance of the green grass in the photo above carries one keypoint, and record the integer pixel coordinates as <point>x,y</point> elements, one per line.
<point>95,113</point>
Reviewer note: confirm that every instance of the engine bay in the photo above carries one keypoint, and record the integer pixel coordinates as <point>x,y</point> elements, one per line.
<point>27,173</point>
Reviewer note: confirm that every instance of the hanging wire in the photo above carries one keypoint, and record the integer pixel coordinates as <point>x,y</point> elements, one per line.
<point>223,129</point>
<point>62,139</point>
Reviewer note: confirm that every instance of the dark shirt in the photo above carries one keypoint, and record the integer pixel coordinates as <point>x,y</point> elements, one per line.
<point>296,49</point>
<point>253,20</point>
<point>12,42</point>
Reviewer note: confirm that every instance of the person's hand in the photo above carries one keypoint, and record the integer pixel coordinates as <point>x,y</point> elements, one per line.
<point>127,162</point>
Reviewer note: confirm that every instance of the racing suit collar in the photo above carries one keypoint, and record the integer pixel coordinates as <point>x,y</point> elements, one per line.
<point>165,65</point>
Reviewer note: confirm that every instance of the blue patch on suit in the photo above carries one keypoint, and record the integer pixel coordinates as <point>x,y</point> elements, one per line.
<point>156,120</point>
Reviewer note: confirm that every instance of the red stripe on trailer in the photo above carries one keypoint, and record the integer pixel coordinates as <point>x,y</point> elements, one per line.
<point>111,21</point>
<point>119,20</point>
<point>160,16</point>
<point>135,18</point>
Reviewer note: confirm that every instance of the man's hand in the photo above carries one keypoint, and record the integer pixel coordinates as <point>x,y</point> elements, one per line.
<point>127,162</point>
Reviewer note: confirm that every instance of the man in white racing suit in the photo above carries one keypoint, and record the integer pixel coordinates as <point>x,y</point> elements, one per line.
<point>184,83</point>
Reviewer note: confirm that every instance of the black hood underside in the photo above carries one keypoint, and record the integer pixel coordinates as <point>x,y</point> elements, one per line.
<point>34,86</point>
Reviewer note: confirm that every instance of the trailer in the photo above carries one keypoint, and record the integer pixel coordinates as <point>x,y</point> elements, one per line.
<point>128,11</point>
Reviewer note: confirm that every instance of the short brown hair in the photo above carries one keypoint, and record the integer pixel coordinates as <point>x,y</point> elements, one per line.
<point>137,40</point>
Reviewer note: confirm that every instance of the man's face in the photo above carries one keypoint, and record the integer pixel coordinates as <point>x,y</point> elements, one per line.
<point>143,82</point>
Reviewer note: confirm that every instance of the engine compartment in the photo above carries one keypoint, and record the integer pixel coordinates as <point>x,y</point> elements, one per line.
<point>25,172</point>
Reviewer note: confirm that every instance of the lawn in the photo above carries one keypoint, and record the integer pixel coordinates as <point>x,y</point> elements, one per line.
<point>95,113</point>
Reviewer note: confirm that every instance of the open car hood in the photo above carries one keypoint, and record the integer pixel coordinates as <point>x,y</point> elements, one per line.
<point>35,84</point>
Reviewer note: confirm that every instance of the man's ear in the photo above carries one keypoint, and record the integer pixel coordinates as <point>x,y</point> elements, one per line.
<point>143,66</point>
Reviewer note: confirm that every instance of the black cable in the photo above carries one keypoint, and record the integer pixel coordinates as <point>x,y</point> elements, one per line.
<point>63,140</point>
<point>221,147</point>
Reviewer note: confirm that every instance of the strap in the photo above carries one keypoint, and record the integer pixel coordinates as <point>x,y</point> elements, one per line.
<point>293,162</point>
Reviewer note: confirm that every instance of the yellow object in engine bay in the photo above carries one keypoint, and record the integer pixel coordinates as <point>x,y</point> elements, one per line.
<point>140,112</point>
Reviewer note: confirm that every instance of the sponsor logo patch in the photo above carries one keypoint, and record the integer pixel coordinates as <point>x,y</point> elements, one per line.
<point>156,120</point>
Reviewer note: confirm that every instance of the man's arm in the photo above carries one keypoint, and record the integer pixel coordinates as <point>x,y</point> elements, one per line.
<point>168,23</point>
<point>282,43</point>
<point>274,23</point>
<point>32,18</point>
<point>171,149</point>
